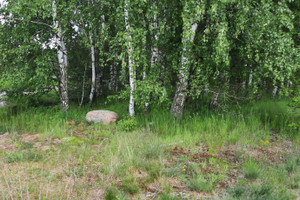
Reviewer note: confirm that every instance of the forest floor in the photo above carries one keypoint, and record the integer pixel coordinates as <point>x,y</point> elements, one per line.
<point>77,160</point>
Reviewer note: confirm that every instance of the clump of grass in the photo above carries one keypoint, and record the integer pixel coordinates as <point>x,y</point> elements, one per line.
<point>22,156</point>
<point>150,151</point>
<point>291,165</point>
<point>199,184</point>
<point>111,193</point>
<point>263,191</point>
<point>251,170</point>
<point>26,145</point>
<point>153,170</point>
<point>166,196</point>
<point>238,191</point>
<point>129,185</point>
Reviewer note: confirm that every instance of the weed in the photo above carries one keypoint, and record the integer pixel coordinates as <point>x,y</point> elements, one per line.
<point>291,165</point>
<point>128,124</point>
<point>200,184</point>
<point>166,196</point>
<point>237,191</point>
<point>22,156</point>
<point>251,170</point>
<point>129,185</point>
<point>26,145</point>
<point>153,170</point>
<point>111,193</point>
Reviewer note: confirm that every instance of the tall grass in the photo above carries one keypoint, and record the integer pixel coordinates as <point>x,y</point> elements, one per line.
<point>258,119</point>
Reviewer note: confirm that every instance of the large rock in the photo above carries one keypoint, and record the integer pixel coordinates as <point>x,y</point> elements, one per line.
<point>6,104</point>
<point>10,107</point>
<point>102,116</point>
<point>2,95</point>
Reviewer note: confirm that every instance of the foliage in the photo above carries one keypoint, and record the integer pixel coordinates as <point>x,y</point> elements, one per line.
<point>127,124</point>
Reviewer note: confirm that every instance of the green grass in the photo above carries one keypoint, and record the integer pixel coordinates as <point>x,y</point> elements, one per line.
<point>251,170</point>
<point>133,155</point>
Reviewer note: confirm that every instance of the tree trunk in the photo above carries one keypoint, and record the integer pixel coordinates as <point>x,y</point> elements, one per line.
<point>99,75</point>
<point>146,103</point>
<point>214,101</point>
<point>154,49</point>
<point>83,85</point>
<point>132,71</point>
<point>274,92</point>
<point>113,82</point>
<point>180,94</point>
<point>93,70</point>
<point>62,60</point>
<point>250,77</point>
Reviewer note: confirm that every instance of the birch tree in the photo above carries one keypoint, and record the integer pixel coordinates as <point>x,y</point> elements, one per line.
<point>62,56</point>
<point>190,17</point>
<point>131,63</point>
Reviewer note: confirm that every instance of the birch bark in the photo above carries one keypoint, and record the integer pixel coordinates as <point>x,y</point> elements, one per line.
<point>100,72</point>
<point>180,94</point>
<point>93,70</point>
<point>62,59</point>
<point>132,71</point>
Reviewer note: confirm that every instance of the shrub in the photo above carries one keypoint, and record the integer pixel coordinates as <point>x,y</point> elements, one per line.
<point>128,124</point>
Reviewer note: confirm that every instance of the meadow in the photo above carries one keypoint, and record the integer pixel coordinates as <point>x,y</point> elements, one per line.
<point>241,152</point>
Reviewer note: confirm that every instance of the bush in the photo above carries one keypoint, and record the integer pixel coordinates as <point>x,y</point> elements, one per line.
<point>128,124</point>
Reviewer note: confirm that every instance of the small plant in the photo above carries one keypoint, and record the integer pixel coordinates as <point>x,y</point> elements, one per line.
<point>129,185</point>
<point>263,191</point>
<point>26,145</point>
<point>153,170</point>
<point>166,196</point>
<point>111,193</point>
<point>74,140</point>
<point>251,170</point>
<point>237,191</point>
<point>128,124</point>
<point>200,184</point>
<point>291,165</point>
<point>22,156</point>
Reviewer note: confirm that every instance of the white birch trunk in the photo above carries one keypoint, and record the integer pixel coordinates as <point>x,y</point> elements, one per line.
<point>62,59</point>
<point>274,92</point>
<point>115,76</point>
<point>100,72</point>
<point>154,49</point>
<point>214,101</point>
<point>132,71</point>
<point>112,86</point>
<point>180,96</point>
<point>93,70</point>
<point>83,86</point>
<point>146,103</point>
<point>250,77</point>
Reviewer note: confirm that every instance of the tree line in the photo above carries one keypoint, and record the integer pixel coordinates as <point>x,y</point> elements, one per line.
<point>150,52</point>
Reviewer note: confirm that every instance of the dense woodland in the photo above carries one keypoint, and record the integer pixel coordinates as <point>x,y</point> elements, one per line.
<point>150,52</point>
<point>206,93</point>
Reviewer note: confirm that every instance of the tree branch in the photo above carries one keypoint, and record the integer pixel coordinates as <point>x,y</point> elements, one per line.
<point>41,23</point>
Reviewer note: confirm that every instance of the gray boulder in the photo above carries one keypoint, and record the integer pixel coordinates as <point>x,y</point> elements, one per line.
<point>2,95</point>
<point>102,116</point>
<point>4,104</point>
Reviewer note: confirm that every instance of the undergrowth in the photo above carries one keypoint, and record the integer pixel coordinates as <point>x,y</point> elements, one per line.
<point>151,150</point>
